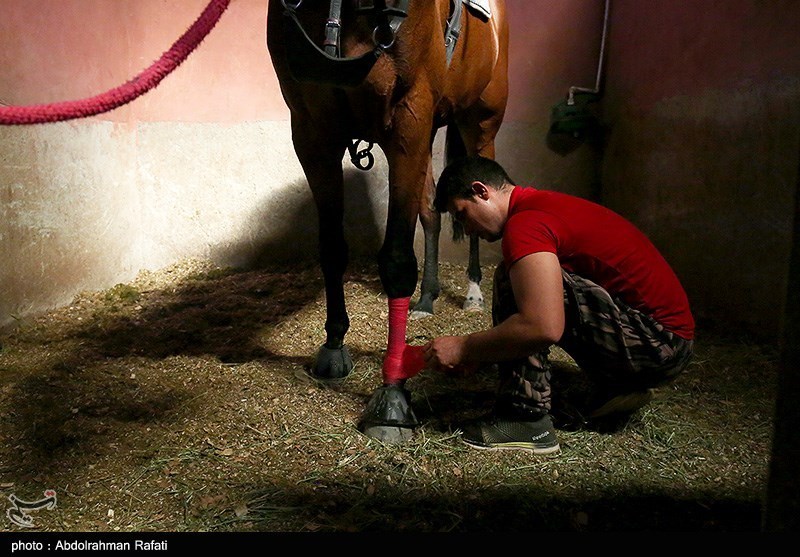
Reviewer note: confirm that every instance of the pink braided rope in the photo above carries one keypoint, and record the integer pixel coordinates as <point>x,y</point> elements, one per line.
<point>114,98</point>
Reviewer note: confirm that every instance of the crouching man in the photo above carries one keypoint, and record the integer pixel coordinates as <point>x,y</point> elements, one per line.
<point>576,275</point>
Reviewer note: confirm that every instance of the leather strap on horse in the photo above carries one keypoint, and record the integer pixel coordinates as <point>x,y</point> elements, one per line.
<point>310,63</point>
<point>453,31</point>
<point>114,98</point>
<point>332,28</point>
<point>450,40</point>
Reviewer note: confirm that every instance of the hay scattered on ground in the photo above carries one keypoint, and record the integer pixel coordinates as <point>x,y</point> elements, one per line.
<point>181,402</point>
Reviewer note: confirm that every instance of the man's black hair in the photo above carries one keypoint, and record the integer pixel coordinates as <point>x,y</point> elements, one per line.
<point>457,178</point>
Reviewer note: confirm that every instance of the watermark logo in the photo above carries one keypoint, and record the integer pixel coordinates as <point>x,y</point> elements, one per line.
<point>18,513</point>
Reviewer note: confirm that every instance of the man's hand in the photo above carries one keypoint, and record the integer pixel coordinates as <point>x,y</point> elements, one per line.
<point>447,354</point>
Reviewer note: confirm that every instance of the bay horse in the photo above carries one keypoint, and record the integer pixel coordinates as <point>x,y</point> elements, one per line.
<point>391,73</point>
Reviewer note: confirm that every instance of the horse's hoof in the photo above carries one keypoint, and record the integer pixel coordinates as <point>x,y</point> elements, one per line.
<point>332,363</point>
<point>474,299</point>
<point>473,304</point>
<point>390,435</point>
<point>388,416</point>
<point>416,314</point>
<point>423,308</point>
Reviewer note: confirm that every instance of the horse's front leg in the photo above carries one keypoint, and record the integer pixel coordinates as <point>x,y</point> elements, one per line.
<point>322,163</point>
<point>389,416</point>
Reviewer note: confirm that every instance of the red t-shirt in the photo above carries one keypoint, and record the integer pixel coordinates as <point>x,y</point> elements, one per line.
<point>598,244</point>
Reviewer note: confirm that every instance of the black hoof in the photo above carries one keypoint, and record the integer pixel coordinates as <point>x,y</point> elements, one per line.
<point>391,435</point>
<point>423,308</point>
<point>332,363</point>
<point>388,416</point>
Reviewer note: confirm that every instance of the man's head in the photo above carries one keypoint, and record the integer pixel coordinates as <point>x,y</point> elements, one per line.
<point>474,190</point>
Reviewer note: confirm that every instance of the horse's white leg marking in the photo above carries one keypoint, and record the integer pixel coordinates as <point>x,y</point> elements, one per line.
<point>474,301</point>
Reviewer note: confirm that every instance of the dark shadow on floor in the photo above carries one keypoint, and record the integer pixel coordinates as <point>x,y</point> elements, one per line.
<point>508,509</point>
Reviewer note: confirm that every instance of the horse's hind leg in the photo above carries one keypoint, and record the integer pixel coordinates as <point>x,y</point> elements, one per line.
<point>478,127</point>
<point>431,226</point>
<point>473,301</point>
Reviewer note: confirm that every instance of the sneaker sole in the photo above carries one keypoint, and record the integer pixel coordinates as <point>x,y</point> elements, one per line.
<point>518,446</point>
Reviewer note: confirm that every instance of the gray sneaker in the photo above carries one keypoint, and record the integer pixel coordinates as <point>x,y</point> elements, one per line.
<point>496,433</point>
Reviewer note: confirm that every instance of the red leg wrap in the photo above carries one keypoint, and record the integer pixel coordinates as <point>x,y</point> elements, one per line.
<point>402,361</point>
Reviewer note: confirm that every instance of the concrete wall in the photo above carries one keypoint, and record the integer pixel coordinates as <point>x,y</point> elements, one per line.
<point>702,105</point>
<point>203,166</point>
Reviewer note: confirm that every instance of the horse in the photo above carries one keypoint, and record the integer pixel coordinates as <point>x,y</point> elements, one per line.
<point>391,73</point>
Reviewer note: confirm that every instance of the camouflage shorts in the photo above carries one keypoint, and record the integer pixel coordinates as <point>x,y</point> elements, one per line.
<point>620,348</point>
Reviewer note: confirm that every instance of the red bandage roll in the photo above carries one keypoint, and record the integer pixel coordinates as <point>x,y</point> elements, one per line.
<point>402,361</point>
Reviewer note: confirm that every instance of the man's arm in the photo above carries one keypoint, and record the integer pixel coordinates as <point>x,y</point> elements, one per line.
<point>539,322</point>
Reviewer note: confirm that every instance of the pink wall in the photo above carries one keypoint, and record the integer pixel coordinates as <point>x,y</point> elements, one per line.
<point>553,45</point>
<point>700,103</point>
<point>63,49</point>
<point>703,108</point>
<point>665,48</point>
<point>202,166</point>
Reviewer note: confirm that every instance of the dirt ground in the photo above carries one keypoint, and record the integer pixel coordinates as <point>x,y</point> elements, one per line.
<point>181,402</point>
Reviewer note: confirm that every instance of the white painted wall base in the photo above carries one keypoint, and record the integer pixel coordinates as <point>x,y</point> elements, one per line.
<point>86,205</point>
